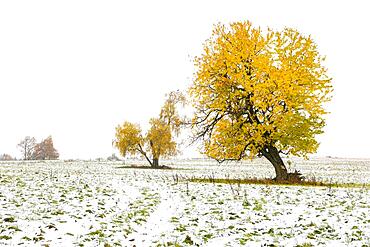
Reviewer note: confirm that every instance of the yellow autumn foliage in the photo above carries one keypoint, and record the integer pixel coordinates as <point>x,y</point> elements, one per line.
<point>255,89</point>
<point>128,138</point>
<point>159,141</point>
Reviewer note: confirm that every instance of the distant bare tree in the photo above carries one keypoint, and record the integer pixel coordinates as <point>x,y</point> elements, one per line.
<point>27,146</point>
<point>45,150</point>
<point>113,157</point>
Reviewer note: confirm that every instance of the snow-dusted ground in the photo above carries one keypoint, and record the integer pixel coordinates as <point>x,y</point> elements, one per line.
<point>99,204</point>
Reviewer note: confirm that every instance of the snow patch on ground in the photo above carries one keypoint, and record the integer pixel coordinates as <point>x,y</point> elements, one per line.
<point>93,204</point>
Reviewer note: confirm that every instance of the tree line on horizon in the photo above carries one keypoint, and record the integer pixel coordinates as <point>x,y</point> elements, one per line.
<point>32,150</point>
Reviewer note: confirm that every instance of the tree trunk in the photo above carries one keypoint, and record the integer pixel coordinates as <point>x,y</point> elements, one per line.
<point>155,163</point>
<point>141,150</point>
<point>272,154</point>
<point>146,157</point>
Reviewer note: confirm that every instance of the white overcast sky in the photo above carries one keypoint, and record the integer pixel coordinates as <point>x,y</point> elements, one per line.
<point>76,69</point>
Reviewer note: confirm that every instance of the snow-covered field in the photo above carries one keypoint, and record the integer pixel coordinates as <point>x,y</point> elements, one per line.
<point>99,204</point>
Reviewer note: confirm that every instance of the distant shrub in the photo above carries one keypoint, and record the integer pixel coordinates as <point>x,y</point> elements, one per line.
<point>6,157</point>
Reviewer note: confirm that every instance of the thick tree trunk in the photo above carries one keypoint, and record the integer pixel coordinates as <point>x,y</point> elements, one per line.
<point>155,163</point>
<point>272,154</point>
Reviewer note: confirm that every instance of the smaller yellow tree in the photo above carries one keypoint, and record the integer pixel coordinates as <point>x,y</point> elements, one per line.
<point>159,141</point>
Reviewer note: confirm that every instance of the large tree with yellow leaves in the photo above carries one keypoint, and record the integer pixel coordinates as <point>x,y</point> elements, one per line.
<point>159,141</point>
<point>259,93</point>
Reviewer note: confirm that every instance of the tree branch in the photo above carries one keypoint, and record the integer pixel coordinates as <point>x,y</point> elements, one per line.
<point>140,149</point>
